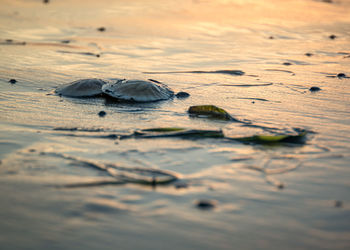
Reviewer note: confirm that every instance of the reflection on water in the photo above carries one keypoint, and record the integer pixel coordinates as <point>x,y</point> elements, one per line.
<point>256,59</point>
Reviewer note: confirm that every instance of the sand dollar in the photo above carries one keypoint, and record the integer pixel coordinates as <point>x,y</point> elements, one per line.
<point>81,88</point>
<point>138,90</point>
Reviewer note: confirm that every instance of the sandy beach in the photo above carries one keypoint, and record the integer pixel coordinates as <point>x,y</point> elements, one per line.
<point>72,177</point>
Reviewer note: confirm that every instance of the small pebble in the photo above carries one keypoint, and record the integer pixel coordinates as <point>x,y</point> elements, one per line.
<point>11,172</point>
<point>181,185</point>
<point>338,204</point>
<point>211,188</point>
<point>101,29</point>
<point>13,81</point>
<point>182,94</point>
<point>205,204</point>
<point>287,63</point>
<point>271,37</point>
<point>9,40</point>
<point>32,150</point>
<point>341,75</point>
<point>65,41</point>
<point>280,186</point>
<point>332,37</point>
<point>102,113</point>
<point>312,89</point>
<point>46,1</point>
<point>309,54</point>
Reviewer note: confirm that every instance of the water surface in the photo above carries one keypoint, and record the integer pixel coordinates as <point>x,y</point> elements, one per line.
<point>283,47</point>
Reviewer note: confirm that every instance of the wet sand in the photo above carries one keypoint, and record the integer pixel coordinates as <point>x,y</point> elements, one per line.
<point>69,181</point>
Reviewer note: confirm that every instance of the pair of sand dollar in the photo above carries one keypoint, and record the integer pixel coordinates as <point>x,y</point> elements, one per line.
<point>128,90</point>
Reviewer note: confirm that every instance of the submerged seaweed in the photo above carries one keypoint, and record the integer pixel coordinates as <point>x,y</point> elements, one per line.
<point>175,132</point>
<point>273,137</point>
<point>299,138</point>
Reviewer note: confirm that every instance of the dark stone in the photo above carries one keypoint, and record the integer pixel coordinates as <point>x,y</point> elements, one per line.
<point>181,185</point>
<point>332,37</point>
<point>341,75</point>
<point>182,94</point>
<point>102,113</point>
<point>313,89</point>
<point>287,63</point>
<point>46,1</point>
<point>338,204</point>
<point>13,81</point>
<point>271,37</point>
<point>65,41</point>
<point>12,42</point>
<point>205,204</point>
<point>101,29</point>
<point>309,54</point>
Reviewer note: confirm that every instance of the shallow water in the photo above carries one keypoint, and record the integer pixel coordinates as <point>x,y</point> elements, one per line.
<point>267,197</point>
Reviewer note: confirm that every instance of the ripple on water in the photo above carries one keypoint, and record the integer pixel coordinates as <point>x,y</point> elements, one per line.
<point>105,206</point>
<point>59,177</point>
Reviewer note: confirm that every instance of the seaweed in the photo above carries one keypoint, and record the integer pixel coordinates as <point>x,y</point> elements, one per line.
<point>175,132</point>
<point>167,129</point>
<point>299,138</point>
<point>211,111</point>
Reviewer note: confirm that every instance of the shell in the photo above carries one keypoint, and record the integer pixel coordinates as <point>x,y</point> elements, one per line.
<point>138,90</point>
<point>81,88</point>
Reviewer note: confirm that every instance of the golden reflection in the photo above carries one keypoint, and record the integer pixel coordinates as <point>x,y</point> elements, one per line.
<point>168,18</point>
<point>282,49</point>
